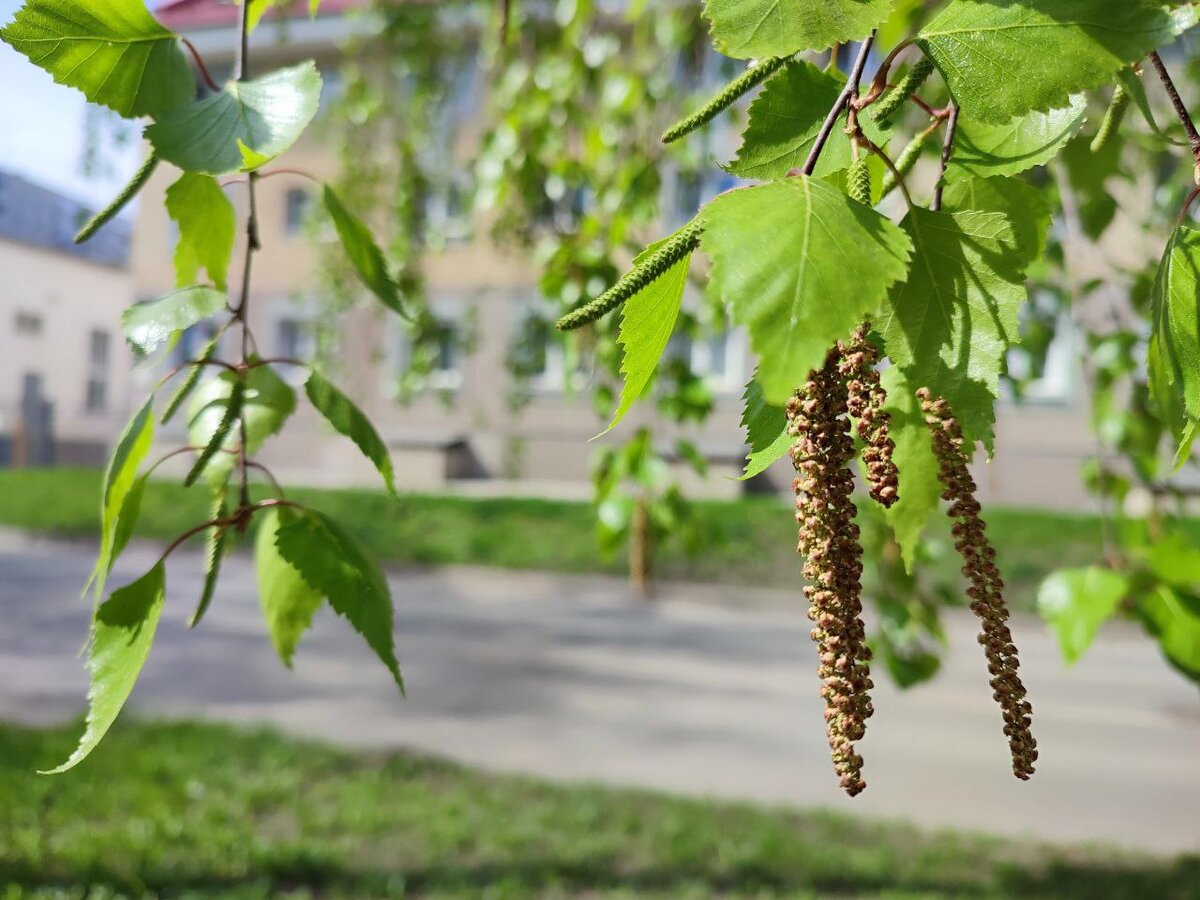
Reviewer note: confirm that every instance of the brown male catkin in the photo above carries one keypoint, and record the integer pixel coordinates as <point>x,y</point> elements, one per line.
<point>865,403</point>
<point>985,586</point>
<point>830,542</point>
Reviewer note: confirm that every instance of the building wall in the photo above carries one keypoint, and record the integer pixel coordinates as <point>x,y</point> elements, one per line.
<point>52,307</point>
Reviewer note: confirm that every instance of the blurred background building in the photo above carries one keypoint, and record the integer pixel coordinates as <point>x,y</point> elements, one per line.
<point>458,433</point>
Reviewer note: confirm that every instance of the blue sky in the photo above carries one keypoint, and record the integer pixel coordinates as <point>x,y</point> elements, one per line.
<point>43,139</point>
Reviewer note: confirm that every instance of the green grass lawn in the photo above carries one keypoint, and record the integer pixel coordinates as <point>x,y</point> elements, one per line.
<point>750,541</point>
<point>207,811</point>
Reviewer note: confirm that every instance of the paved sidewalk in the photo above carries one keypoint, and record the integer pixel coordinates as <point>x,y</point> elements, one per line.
<point>570,677</point>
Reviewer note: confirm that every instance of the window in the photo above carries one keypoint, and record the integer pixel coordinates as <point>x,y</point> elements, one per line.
<point>446,372</point>
<point>28,324</point>
<point>717,359</point>
<point>1056,382</point>
<point>433,361</point>
<point>295,338</point>
<point>99,351</point>
<point>298,204</point>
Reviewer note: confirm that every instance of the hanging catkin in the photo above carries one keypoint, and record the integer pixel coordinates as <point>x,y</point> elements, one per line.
<point>986,588</point>
<point>829,542</point>
<point>865,402</point>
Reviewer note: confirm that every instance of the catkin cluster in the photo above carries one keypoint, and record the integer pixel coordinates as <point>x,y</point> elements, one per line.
<point>865,401</point>
<point>819,421</point>
<point>985,586</point>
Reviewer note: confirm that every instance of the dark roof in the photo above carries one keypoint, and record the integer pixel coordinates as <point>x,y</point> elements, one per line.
<point>181,15</point>
<point>37,216</point>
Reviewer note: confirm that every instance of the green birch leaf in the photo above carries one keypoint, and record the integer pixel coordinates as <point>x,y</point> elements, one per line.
<point>265,116</point>
<point>752,29</point>
<point>258,9</point>
<point>119,481</point>
<point>349,420</point>
<point>919,490</point>
<point>647,322</point>
<point>131,511</point>
<point>1004,58</point>
<point>364,253</point>
<point>1076,602</point>
<point>984,151</point>
<point>207,225</point>
<point>786,258</point>
<point>114,52</point>
<point>148,325</point>
<point>784,121</point>
<point>766,431</point>
<point>267,404</point>
<point>950,325</point>
<point>1174,356</point>
<point>1024,206</point>
<point>122,632</point>
<point>335,566</point>
<point>288,602</point>
<point>1173,617</point>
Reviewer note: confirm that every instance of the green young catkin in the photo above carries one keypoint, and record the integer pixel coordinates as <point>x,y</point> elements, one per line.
<point>215,542</point>
<point>1112,119</point>
<point>905,162</point>
<point>858,181</point>
<point>193,378</point>
<point>233,412</point>
<point>751,78</point>
<point>675,248</point>
<point>106,215</point>
<point>893,101</point>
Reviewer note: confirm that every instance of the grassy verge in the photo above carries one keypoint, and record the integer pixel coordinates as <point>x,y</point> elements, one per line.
<point>208,811</point>
<point>750,541</point>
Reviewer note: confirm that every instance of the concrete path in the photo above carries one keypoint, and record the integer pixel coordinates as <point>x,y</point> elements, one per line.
<point>570,678</point>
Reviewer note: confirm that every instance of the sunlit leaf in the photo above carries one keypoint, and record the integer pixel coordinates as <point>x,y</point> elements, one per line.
<point>334,564</point>
<point>122,633</point>
<point>265,115</point>
<point>1173,617</point>
<point>951,324</point>
<point>1076,602</point>
<point>148,325</point>
<point>647,322</point>
<point>919,489</point>
<point>114,52</point>
<point>348,419</point>
<point>797,303</point>
<point>985,151</point>
<point>785,119</point>
<point>766,431</point>
<point>364,253</point>
<point>119,480</point>
<point>1004,58</point>
<point>288,601</point>
<point>207,224</point>
<point>748,29</point>
<point>1174,358</point>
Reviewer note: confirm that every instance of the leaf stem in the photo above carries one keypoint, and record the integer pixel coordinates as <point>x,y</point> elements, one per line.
<point>839,105</point>
<point>242,313</point>
<point>947,152</point>
<point>208,79</point>
<point>1181,110</point>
